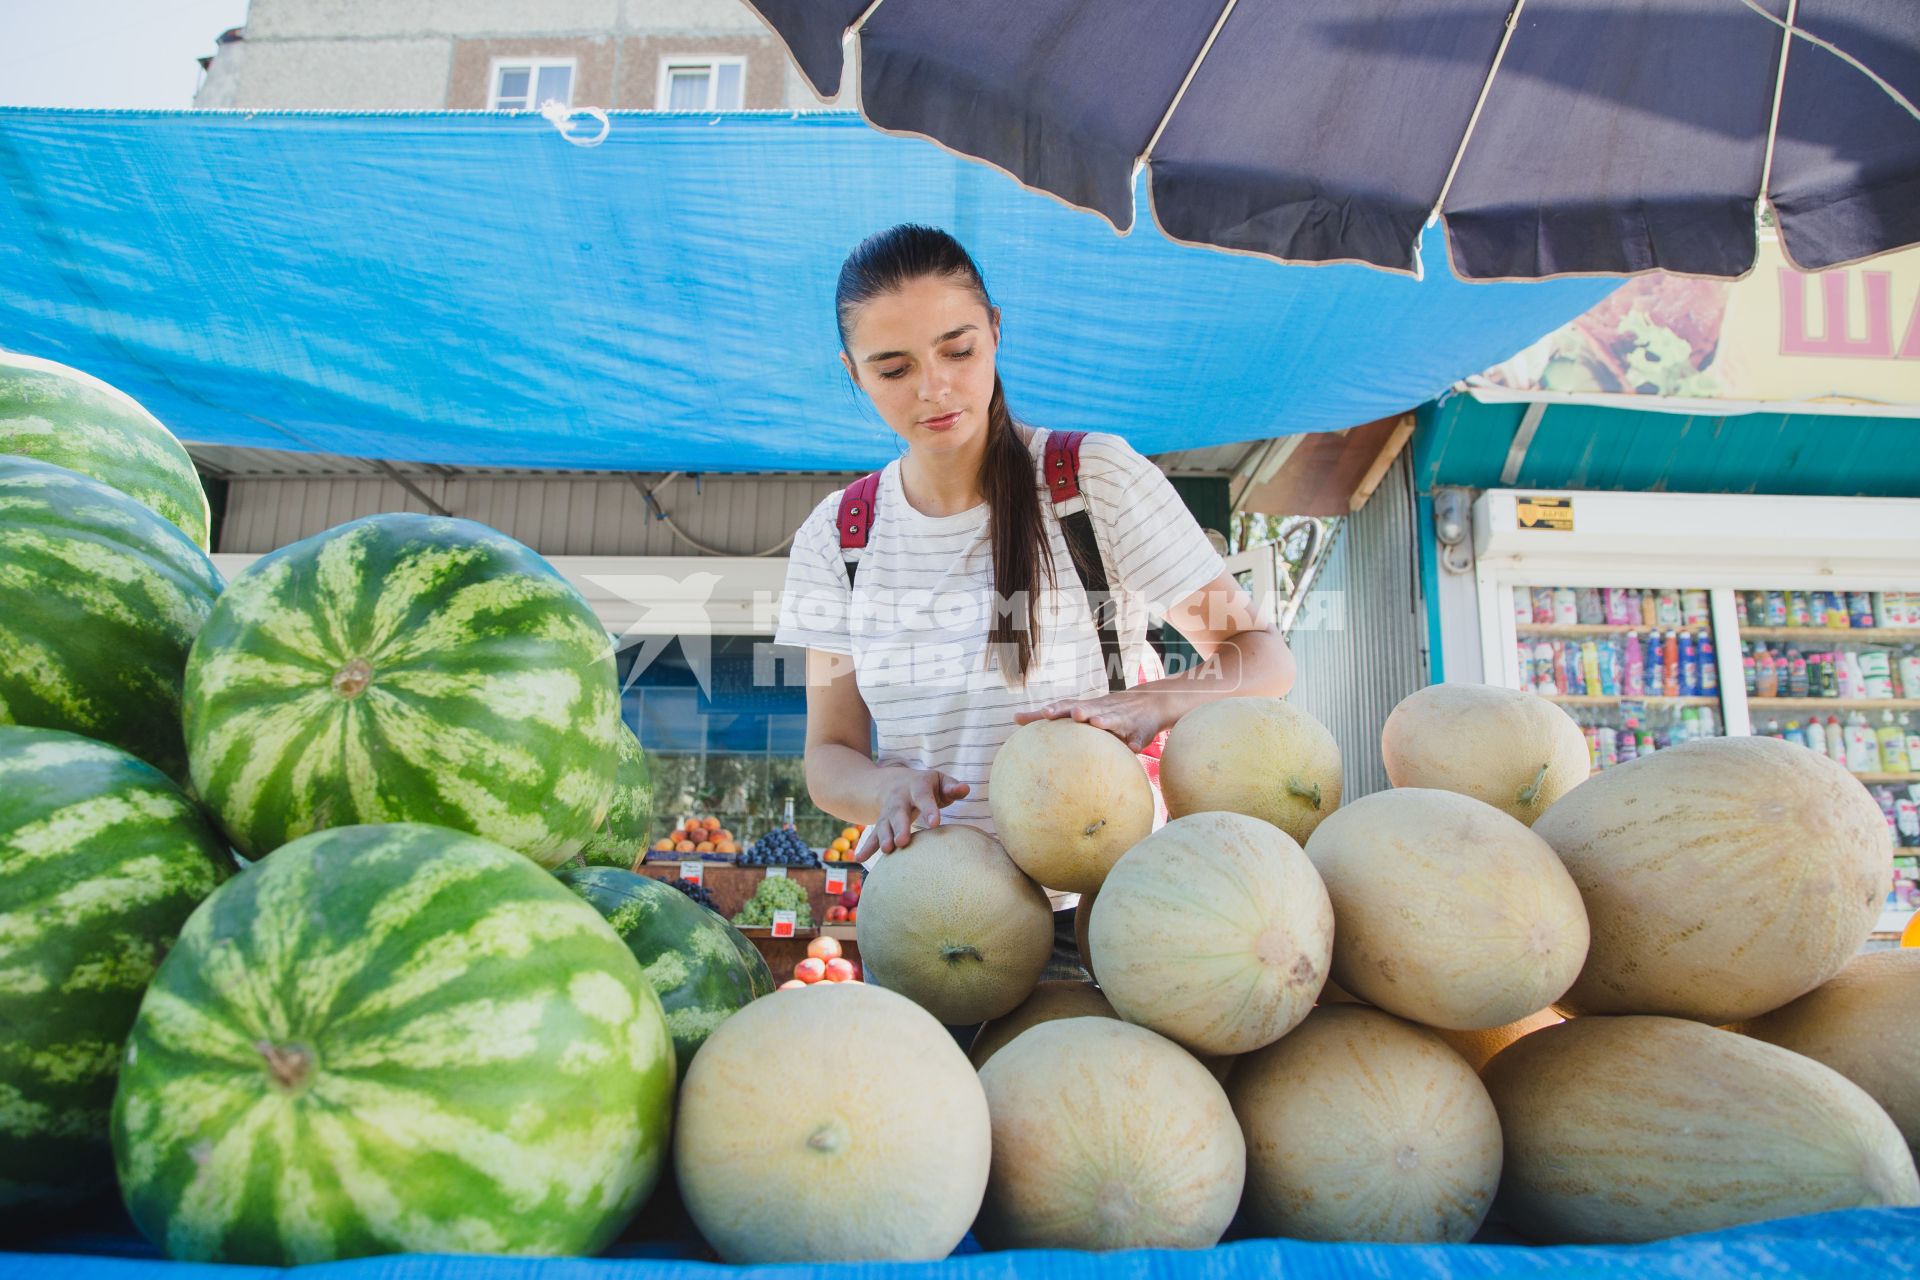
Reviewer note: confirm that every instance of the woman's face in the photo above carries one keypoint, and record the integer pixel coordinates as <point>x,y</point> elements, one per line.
<point>924,354</point>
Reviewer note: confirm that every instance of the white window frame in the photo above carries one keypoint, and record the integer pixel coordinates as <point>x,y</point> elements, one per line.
<point>712,62</point>
<point>534,67</point>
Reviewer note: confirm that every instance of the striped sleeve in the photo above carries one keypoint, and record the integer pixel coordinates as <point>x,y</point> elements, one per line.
<point>815,603</point>
<point>1157,550</point>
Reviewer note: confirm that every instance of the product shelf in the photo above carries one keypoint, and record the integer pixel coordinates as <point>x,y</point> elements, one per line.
<point>1836,704</point>
<point>1614,700</point>
<point>1888,777</point>
<point>1884,635</point>
<point>1564,630</point>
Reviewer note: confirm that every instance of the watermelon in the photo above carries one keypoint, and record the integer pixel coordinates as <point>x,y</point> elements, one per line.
<point>392,1038</point>
<point>100,600</point>
<point>101,861</point>
<point>621,840</point>
<point>405,668</point>
<point>72,419</point>
<point>692,957</point>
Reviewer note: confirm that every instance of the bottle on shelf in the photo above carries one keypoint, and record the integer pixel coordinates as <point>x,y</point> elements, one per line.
<point>1588,607</point>
<point>1836,742</point>
<point>1566,607</point>
<point>1753,608</point>
<point>1522,607</point>
<point>1767,674</point>
<point>1633,669</point>
<point>1875,680</point>
<point>1609,746</point>
<point>1772,730</point>
<point>1863,745</point>
<point>1693,608</point>
<point>1893,745</point>
<point>1798,614</point>
<point>1543,673</point>
<point>1839,617</point>
<point>1708,721</point>
<point>1628,747</point>
<point>1669,610</point>
<point>1906,821</point>
<point>1643,741</point>
<point>1776,609</point>
<point>1670,665</point>
<point>1748,670</point>
<point>1816,735</point>
<point>1794,734</point>
<point>1913,742</point>
<point>1852,681</point>
<point>1796,674</point>
<point>1609,667</point>
<point>1590,667</point>
<point>1871,609</point>
<point>1817,609</point>
<point>1689,666</point>
<point>1709,664</point>
<point>1542,600</point>
<point>1829,675</point>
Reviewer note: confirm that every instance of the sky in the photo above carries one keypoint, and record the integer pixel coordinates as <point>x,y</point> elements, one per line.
<point>108,53</point>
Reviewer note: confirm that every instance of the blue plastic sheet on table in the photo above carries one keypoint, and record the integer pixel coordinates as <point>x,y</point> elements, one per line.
<point>1858,1244</point>
<point>469,288</point>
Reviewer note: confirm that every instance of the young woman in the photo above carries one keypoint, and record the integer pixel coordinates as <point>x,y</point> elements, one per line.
<point>966,617</point>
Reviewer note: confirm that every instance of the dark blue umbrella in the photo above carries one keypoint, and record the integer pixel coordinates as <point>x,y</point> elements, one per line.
<point>1554,137</point>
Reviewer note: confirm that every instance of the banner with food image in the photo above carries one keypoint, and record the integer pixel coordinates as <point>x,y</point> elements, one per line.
<point>1839,341</point>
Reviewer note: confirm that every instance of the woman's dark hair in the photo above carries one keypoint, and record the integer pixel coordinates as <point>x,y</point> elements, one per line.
<point>886,262</point>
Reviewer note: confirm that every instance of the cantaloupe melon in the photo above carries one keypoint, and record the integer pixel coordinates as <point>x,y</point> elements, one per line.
<point>1864,1022</point>
<point>1447,911</point>
<point>1622,1129</point>
<point>950,923</point>
<point>1262,757</point>
<point>1515,751</point>
<point>1722,878</point>
<point>1360,1126</point>
<point>1082,917</point>
<point>1068,799</point>
<point>1479,1047</point>
<point>1107,1136</point>
<point>775,1169</point>
<point>1049,1002</point>
<point>1214,931</point>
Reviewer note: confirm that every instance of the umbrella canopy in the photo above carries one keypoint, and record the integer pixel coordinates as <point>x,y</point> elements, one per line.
<point>1554,137</point>
<point>469,288</point>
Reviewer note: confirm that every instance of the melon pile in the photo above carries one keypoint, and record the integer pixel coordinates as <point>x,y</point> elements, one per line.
<point>1496,990</point>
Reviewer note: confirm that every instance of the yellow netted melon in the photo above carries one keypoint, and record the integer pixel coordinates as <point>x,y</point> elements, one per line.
<point>1515,751</point>
<point>1068,799</point>
<point>1049,1002</point>
<point>1262,757</point>
<point>1360,1126</point>
<point>1722,878</point>
<point>774,1172</point>
<point>1214,931</point>
<point>952,924</point>
<point>1625,1129</point>
<point>1479,1047</point>
<point>1447,911</point>
<point>1864,1022</point>
<point>1107,1136</point>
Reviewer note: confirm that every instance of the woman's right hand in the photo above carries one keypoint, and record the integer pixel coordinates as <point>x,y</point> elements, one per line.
<point>916,794</point>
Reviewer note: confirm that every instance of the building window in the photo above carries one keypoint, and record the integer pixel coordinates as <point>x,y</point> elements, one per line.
<point>528,84</point>
<point>701,83</point>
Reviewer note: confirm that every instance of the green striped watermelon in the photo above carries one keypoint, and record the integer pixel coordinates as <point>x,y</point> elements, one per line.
<point>621,840</point>
<point>72,419</point>
<point>386,1039</point>
<point>688,953</point>
<point>101,861</point>
<point>100,600</point>
<point>404,668</point>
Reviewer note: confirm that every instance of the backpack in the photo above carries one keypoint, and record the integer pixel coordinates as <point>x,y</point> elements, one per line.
<point>1062,471</point>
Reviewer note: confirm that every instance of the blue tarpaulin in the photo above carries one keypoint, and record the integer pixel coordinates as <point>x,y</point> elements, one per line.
<point>1860,1244</point>
<point>471,288</point>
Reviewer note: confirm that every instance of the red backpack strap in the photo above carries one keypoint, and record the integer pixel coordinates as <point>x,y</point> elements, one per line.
<point>1063,465</point>
<point>857,503</point>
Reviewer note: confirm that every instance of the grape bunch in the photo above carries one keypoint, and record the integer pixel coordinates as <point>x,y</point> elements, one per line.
<point>772,896</point>
<point>698,892</point>
<point>781,847</point>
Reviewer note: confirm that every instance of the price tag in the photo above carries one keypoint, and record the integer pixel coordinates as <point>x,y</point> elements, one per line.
<point>693,872</point>
<point>776,873</point>
<point>836,878</point>
<point>783,924</point>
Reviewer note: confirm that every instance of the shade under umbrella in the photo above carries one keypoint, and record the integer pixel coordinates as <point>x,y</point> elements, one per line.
<point>1554,137</point>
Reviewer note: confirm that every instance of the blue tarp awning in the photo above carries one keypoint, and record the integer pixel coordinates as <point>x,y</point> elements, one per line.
<point>470,288</point>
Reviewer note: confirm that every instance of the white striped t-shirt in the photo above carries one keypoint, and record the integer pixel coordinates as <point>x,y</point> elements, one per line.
<point>917,620</point>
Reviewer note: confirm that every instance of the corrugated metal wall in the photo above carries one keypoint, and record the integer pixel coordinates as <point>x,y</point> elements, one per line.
<point>561,516</point>
<point>1360,638</point>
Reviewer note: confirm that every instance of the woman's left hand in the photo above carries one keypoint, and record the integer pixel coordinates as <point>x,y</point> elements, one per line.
<point>1136,716</point>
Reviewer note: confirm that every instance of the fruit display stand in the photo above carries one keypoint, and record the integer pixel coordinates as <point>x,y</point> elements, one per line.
<point>731,887</point>
<point>1867,1244</point>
